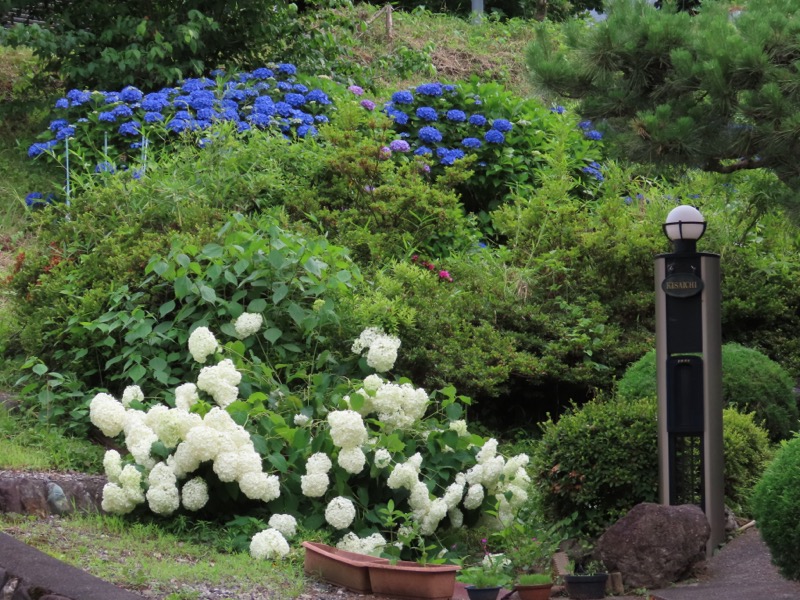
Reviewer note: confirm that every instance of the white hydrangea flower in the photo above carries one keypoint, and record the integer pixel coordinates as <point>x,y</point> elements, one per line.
<point>492,470</point>
<point>301,420</point>
<point>186,396</point>
<point>453,494</point>
<point>382,458</point>
<point>247,324</point>
<point>400,406</point>
<point>514,464</point>
<point>220,381</point>
<point>364,341</point>
<point>161,476</point>
<point>139,439</point>
<point>456,518</point>
<point>171,425</point>
<point>131,393</point>
<point>474,497</point>
<point>420,498</point>
<point>352,460</point>
<point>260,486</point>
<point>203,442</point>
<point>248,461</point>
<point>112,465</point>
<point>130,479</point>
<point>372,545</point>
<point>194,494</point>
<point>107,414</point>
<point>286,524</point>
<point>340,512</point>
<point>460,427</point>
<point>488,451</point>
<point>373,382</point>
<point>226,466</point>
<point>434,516</point>
<point>319,462</point>
<point>115,500</point>
<point>268,544</point>
<point>314,485</point>
<point>163,500</point>
<point>347,428</point>
<point>202,344</point>
<point>405,475</point>
<point>382,353</point>
<point>183,461</point>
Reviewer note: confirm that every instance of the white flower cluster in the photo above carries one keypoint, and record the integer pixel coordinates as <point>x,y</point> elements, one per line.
<point>107,414</point>
<point>340,512</point>
<point>247,324</point>
<point>492,475</point>
<point>371,545</point>
<point>315,482</point>
<point>194,494</point>
<point>399,406</point>
<point>286,524</point>
<point>130,394</point>
<point>186,396</point>
<point>381,348</point>
<point>202,344</point>
<point>220,381</point>
<point>349,433</point>
<point>268,544</point>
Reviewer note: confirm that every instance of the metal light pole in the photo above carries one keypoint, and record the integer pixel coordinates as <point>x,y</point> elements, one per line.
<point>689,372</point>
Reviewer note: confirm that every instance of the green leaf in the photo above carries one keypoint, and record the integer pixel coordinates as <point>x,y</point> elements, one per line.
<point>279,291</point>
<point>279,462</point>
<point>272,334</point>
<point>213,250</point>
<point>137,372</point>
<point>454,411</point>
<point>208,294</point>
<point>182,285</point>
<point>166,308</point>
<point>258,305</point>
<point>39,369</point>
<point>259,443</point>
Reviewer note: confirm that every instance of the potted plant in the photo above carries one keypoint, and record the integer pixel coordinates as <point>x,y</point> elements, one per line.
<point>587,580</point>
<point>530,551</point>
<point>484,580</point>
<point>534,586</point>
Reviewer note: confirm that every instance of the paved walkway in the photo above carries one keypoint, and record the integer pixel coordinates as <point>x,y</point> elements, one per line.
<point>742,570</point>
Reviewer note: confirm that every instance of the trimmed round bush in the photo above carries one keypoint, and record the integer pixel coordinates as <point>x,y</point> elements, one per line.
<point>776,506</point>
<point>600,460</point>
<point>751,381</point>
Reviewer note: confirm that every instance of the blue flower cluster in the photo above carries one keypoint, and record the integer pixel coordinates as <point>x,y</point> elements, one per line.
<point>594,169</point>
<point>588,132</point>
<point>440,123</point>
<point>266,98</point>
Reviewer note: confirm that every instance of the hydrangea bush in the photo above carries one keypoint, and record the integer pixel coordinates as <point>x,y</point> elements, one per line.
<point>380,462</point>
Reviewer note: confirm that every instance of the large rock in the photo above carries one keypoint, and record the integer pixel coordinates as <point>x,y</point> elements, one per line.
<point>44,494</point>
<point>655,545</point>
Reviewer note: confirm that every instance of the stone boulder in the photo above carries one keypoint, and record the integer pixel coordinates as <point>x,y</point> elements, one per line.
<point>45,494</point>
<point>655,545</point>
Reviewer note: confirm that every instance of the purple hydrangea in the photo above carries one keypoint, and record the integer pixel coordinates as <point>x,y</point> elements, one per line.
<point>426,113</point>
<point>368,104</point>
<point>430,135</point>
<point>399,146</point>
<point>357,90</point>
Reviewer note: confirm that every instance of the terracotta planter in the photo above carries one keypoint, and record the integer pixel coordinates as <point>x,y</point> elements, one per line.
<point>534,592</point>
<point>412,581</point>
<point>586,587</point>
<point>347,569</point>
<point>487,593</point>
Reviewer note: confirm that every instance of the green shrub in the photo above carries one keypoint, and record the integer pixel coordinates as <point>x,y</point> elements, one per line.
<point>776,506</point>
<point>598,461</point>
<point>750,381</point>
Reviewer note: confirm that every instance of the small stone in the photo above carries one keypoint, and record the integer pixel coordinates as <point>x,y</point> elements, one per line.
<point>58,501</point>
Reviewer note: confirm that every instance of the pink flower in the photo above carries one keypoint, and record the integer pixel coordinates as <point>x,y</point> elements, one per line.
<point>445,275</point>
<point>358,91</point>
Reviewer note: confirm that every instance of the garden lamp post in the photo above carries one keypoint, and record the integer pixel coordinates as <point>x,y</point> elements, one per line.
<point>689,372</point>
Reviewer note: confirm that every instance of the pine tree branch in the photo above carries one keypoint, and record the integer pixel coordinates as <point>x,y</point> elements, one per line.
<point>715,165</point>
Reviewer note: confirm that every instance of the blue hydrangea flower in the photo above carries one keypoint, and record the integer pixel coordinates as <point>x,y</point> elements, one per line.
<point>449,88</point>
<point>422,150</point>
<point>303,117</point>
<point>287,68</point>
<point>471,142</point>
<point>217,72</point>
<point>107,117</point>
<point>65,132</point>
<point>284,87</point>
<point>184,115</point>
<point>494,137</point>
<point>131,94</point>
<point>123,111</point>
<point>402,97</point>
<point>502,125</point>
<point>243,126</point>
<point>181,102</point>
<point>105,167</point>
<point>129,128</point>
<point>305,130</point>
<point>38,148</point>
<point>295,100</point>
<point>318,96</point>
<point>558,109</point>
<point>263,73</point>
<point>321,118</point>
<point>193,84</point>
<point>426,113</point>
<point>457,116</point>
<point>201,99</point>
<point>77,97</point>
<point>430,135</point>
<point>207,114</point>
<point>299,88</point>
<point>178,125</point>
<point>451,156</point>
<point>62,103</point>
<point>261,86</point>
<point>283,109</point>
<point>399,116</point>
<point>203,142</point>
<point>399,146</point>
<point>33,199</point>
<point>585,125</point>
<point>594,135</point>
<point>260,119</point>
<point>137,173</point>
<point>242,77</point>
<point>155,102</point>
<point>153,117</point>
<point>430,89</point>
<point>594,169</point>
<point>229,114</point>
<point>234,94</point>
<point>111,97</point>
<point>477,120</point>
<point>57,124</point>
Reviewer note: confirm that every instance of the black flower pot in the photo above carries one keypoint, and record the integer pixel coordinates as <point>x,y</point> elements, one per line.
<point>586,587</point>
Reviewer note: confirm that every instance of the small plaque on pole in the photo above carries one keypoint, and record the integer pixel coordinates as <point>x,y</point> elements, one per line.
<point>682,285</point>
